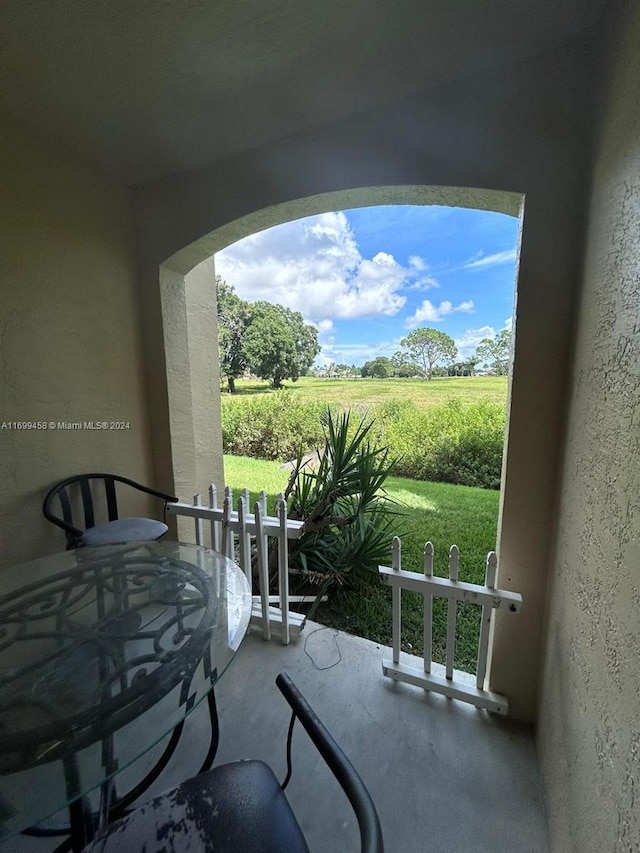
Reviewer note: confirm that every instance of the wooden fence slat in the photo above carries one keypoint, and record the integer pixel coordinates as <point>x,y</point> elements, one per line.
<point>485,626</point>
<point>228,545</point>
<point>215,525</point>
<point>197,501</point>
<point>283,569</point>
<point>452,606</point>
<point>263,570</point>
<point>461,591</point>
<point>244,541</point>
<point>225,522</point>
<point>271,523</point>
<point>396,599</point>
<point>428,608</point>
<point>495,702</point>
<point>455,686</point>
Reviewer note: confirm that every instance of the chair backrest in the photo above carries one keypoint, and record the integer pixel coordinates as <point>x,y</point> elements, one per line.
<point>363,806</point>
<point>65,490</point>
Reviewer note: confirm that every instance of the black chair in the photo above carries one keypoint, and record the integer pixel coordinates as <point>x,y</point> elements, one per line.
<point>116,529</point>
<point>241,807</point>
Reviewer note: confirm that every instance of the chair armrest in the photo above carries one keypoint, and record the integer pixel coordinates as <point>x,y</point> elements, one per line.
<point>72,531</point>
<point>146,489</point>
<point>169,498</point>
<point>344,772</point>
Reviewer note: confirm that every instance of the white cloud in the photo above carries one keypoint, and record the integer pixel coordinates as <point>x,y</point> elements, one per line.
<point>325,326</point>
<point>469,340</point>
<point>430,313</point>
<point>426,282</point>
<point>355,353</point>
<point>314,266</point>
<point>481,261</point>
<point>508,324</point>
<point>417,263</point>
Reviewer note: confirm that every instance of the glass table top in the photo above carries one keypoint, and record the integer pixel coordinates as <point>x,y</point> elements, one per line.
<point>105,646</point>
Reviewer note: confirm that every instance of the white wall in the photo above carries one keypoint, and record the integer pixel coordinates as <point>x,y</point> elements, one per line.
<point>69,334</point>
<point>589,730</point>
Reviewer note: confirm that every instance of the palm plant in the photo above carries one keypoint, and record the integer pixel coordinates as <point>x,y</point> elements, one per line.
<point>348,518</point>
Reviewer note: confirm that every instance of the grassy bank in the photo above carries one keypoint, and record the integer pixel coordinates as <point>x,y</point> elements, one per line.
<point>442,513</point>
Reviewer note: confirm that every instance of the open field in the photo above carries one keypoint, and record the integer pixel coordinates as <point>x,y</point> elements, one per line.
<point>440,512</point>
<point>363,391</point>
<point>449,430</point>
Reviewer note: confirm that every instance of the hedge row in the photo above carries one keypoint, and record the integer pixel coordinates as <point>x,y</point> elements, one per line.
<point>456,442</point>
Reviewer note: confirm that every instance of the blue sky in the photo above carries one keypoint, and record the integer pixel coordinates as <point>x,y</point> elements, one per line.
<point>367,277</point>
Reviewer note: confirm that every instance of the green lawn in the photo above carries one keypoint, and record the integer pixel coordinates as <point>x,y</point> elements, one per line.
<point>421,392</point>
<point>439,512</point>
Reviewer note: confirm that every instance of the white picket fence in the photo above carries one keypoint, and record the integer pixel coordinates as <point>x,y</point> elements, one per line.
<point>228,527</point>
<point>454,684</point>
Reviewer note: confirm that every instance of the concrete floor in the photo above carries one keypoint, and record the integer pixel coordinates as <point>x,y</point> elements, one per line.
<point>445,777</point>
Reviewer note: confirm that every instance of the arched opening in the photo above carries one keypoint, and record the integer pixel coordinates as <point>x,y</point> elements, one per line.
<point>189,316</point>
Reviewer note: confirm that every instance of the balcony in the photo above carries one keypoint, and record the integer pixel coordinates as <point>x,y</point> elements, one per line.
<point>444,776</point>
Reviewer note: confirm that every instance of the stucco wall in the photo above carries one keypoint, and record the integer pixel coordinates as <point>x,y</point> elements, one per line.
<point>189,319</point>
<point>589,730</point>
<point>520,129</point>
<point>69,337</point>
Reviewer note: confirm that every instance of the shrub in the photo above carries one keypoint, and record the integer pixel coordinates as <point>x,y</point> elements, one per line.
<point>457,442</point>
<point>270,426</point>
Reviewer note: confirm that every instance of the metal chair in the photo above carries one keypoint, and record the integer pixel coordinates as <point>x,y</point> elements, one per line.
<point>116,529</point>
<point>241,807</point>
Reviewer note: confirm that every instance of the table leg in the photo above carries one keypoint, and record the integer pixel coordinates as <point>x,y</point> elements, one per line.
<point>215,732</point>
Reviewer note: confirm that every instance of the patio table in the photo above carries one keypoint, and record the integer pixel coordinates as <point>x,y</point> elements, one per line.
<point>103,653</point>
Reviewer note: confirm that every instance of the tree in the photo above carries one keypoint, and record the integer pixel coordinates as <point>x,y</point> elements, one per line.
<point>379,368</point>
<point>464,368</point>
<point>403,367</point>
<point>428,347</point>
<point>233,320</point>
<point>278,344</point>
<point>495,352</point>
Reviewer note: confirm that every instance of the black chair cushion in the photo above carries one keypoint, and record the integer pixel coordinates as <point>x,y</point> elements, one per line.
<point>234,808</point>
<point>123,530</point>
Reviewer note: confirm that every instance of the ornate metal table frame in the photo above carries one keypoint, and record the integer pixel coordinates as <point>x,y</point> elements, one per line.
<point>121,587</point>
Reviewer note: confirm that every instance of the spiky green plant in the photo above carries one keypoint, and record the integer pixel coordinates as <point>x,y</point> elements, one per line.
<point>349,520</point>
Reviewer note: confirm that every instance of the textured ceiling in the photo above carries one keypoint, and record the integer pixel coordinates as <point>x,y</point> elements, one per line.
<point>148,88</point>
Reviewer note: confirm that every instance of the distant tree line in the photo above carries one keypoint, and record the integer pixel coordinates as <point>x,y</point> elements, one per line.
<point>268,340</point>
<point>430,352</point>
<point>273,342</point>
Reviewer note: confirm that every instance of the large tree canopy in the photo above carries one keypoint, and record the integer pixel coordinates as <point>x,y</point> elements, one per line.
<point>429,347</point>
<point>278,344</point>
<point>378,368</point>
<point>270,340</point>
<point>495,352</point>
<point>233,320</point>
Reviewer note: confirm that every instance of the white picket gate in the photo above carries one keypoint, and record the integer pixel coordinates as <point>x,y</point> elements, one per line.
<point>270,612</point>
<point>454,684</point>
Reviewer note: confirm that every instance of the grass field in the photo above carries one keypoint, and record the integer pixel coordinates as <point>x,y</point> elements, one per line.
<point>364,391</point>
<point>440,512</point>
